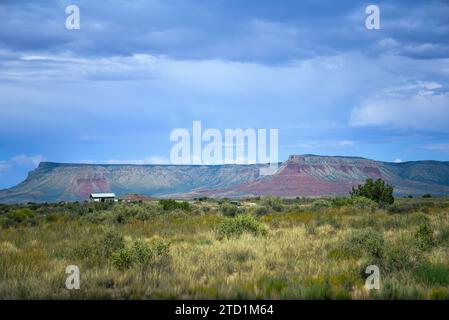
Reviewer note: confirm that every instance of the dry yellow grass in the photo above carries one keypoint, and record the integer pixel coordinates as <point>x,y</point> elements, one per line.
<point>293,261</point>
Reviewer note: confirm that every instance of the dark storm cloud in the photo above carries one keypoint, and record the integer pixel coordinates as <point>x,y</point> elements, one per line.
<point>266,32</point>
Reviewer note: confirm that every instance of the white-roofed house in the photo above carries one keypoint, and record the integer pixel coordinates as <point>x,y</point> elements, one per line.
<point>102,197</point>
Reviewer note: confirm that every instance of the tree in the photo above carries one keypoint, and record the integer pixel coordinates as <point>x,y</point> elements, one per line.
<point>377,191</point>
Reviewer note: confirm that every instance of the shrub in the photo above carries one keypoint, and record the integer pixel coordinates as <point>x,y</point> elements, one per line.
<point>322,219</point>
<point>17,217</point>
<point>161,248</point>
<point>321,204</point>
<point>377,191</point>
<point>401,256</point>
<point>123,213</point>
<point>274,203</point>
<point>364,242</point>
<point>424,236</point>
<point>363,203</point>
<point>420,218</point>
<point>427,195</point>
<point>142,254</point>
<point>261,211</point>
<point>123,258</point>
<point>341,201</point>
<point>234,227</point>
<point>170,205</point>
<point>20,215</point>
<point>229,210</point>
<point>51,217</point>
<point>111,242</point>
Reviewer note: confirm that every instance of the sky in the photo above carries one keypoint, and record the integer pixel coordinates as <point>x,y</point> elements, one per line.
<point>114,90</point>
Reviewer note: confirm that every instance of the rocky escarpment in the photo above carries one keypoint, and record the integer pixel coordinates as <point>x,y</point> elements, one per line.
<point>300,175</point>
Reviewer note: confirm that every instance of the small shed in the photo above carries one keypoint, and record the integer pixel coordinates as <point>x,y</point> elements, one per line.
<point>102,197</point>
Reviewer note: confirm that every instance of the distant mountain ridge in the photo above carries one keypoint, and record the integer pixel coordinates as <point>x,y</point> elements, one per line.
<point>300,175</point>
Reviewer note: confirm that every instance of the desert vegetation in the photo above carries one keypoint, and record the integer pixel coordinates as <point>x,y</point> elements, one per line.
<point>259,248</point>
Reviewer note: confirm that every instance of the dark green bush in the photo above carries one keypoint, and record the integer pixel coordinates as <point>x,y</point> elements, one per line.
<point>171,205</point>
<point>376,190</point>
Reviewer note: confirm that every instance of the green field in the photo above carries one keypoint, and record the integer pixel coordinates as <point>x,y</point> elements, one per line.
<point>261,248</point>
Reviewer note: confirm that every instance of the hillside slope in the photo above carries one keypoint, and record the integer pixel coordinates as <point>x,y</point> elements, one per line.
<point>306,175</point>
